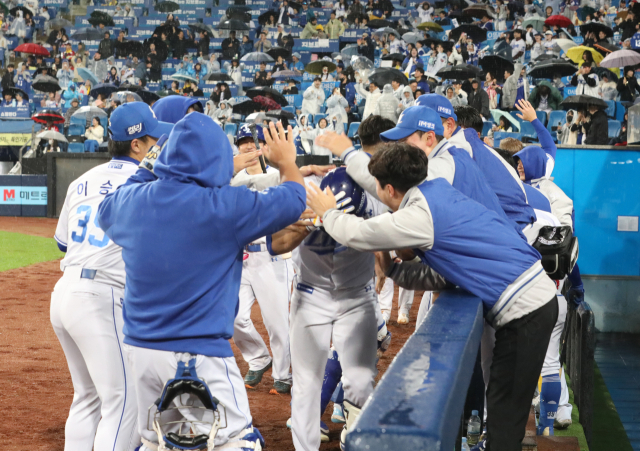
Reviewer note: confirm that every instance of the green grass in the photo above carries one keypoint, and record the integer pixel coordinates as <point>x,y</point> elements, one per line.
<point>18,250</point>
<point>575,430</point>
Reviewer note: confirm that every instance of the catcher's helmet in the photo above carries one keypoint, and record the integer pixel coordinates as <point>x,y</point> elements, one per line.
<point>245,132</point>
<point>353,200</point>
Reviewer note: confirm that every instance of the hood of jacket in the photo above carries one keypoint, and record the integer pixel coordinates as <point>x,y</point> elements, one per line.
<point>534,162</point>
<point>575,117</point>
<point>306,120</point>
<point>387,89</point>
<point>72,86</point>
<point>190,157</point>
<point>407,89</point>
<point>172,108</point>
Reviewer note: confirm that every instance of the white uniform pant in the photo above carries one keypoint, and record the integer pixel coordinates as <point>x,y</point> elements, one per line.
<point>405,300</point>
<point>152,369</point>
<point>87,318</point>
<point>346,318</point>
<point>385,298</point>
<point>425,306</point>
<point>267,279</point>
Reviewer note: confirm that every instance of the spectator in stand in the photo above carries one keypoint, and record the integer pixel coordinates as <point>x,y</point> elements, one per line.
<point>22,78</point>
<point>94,136</point>
<point>280,64</point>
<point>545,97</point>
<point>121,45</point>
<point>203,44</point>
<point>153,70</point>
<point>8,101</point>
<point>70,94</point>
<point>98,66</point>
<point>291,88</point>
<point>280,36</point>
<point>387,104</point>
<point>112,76</point>
<point>105,48</point>
<point>261,75</point>
<point>64,75</point>
<point>213,65</point>
<point>198,72</point>
<point>285,12</point>
<point>596,126</point>
<point>187,89</point>
<point>586,81</point>
<point>371,97</point>
<point>608,89</point>
<point>336,109</point>
<point>175,87</point>
<point>313,98</point>
<point>7,78</point>
<point>421,81</point>
<point>263,44</point>
<point>457,98</point>
<point>51,101</point>
<point>297,65</point>
<point>180,45</point>
<point>100,101</point>
<point>72,109</point>
<point>627,85</point>
<point>310,30</point>
<point>230,46</point>
<point>68,52</point>
<point>334,27</point>
<point>366,47</point>
<point>479,99</point>
<point>246,46</point>
<point>326,76</point>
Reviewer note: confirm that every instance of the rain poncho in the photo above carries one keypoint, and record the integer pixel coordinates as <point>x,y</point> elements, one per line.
<point>302,125</point>
<point>210,109</point>
<point>236,75</point>
<point>317,150</point>
<point>64,77</point>
<point>224,112</point>
<point>407,100</point>
<point>313,99</point>
<point>18,26</point>
<point>213,65</point>
<point>200,75</point>
<point>387,104</point>
<point>568,133</point>
<point>371,100</point>
<point>510,88</point>
<point>22,78</point>
<point>71,93</point>
<point>336,111</point>
<point>99,68</point>
<point>608,90</point>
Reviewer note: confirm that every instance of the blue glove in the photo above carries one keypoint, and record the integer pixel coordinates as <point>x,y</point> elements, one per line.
<point>575,295</point>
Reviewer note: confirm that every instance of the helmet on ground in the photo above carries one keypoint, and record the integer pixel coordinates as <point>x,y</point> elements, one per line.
<point>350,196</point>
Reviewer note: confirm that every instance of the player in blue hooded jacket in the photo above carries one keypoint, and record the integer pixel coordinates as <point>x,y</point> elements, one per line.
<point>182,237</point>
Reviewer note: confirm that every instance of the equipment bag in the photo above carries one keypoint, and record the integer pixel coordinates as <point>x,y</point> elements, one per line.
<point>559,250</point>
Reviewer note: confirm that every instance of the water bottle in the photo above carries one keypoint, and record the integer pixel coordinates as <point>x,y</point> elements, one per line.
<point>464,446</point>
<point>473,429</point>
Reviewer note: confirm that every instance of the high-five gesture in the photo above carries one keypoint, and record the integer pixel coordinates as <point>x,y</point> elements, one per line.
<point>282,152</point>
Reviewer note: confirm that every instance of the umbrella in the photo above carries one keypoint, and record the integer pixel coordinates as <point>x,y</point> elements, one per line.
<point>479,11</point>
<point>611,74</point>
<point>315,68</point>
<point>379,23</point>
<point>129,87</point>
<point>385,75</point>
<point>606,47</point>
<point>233,24</point>
<point>89,112</point>
<point>184,77</point>
<point>446,45</point>
<point>387,31</point>
<point>275,52</point>
<point>282,116</point>
<point>99,17</point>
<point>582,102</point>
<point>496,65</point>
<point>33,49</point>
<point>245,108</point>
<point>106,89</point>
<point>584,11</point>
<point>263,18</point>
<point>596,28</point>
<point>218,76</point>
<point>459,72</point>
<point>394,57</point>
<point>25,11</point>
<point>349,50</point>
<point>167,7</point>
<point>476,33</point>
<point>545,57</point>
<point>46,83</point>
<point>257,57</point>
<point>621,58</point>
<point>266,103</point>
<point>430,26</point>
<point>198,27</point>
<point>412,38</point>
<point>52,134</point>
<point>237,12</point>
<point>536,22</point>
<point>14,91</point>
<point>87,34</point>
<point>44,116</point>
<point>269,93</point>
<point>86,74</point>
<point>361,63</point>
<point>566,44</point>
<point>552,68</point>
<point>558,21</point>
<point>135,48</point>
<point>575,54</point>
<point>58,23</point>
<point>124,97</point>
<point>148,97</point>
<point>285,74</point>
<point>499,113</point>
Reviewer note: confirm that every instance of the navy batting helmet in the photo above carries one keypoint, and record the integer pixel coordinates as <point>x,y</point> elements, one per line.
<point>245,132</point>
<point>350,196</point>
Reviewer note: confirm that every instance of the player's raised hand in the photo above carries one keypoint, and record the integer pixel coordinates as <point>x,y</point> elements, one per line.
<point>245,160</point>
<point>281,148</point>
<point>336,143</point>
<point>318,201</point>
<point>527,110</point>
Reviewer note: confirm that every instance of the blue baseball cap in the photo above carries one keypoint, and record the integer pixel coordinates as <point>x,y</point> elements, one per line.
<point>413,119</point>
<point>439,104</point>
<point>134,120</point>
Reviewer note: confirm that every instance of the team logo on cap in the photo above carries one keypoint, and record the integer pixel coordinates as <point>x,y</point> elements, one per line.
<point>426,125</point>
<point>134,129</point>
<point>400,119</point>
<point>444,110</point>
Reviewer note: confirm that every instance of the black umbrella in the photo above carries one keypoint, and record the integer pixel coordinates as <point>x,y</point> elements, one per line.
<point>446,45</point>
<point>148,97</point>
<point>99,17</point>
<point>460,17</point>
<point>596,28</point>
<point>218,76</point>
<point>263,19</point>
<point>165,28</point>
<point>476,33</point>
<point>604,71</point>
<point>87,34</point>
<point>246,108</point>
<point>237,12</point>
<point>46,83</point>
<point>479,11</point>
<point>282,116</point>
<point>582,102</point>
<point>14,91</point>
<point>275,52</point>
<point>198,27</point>
<point>59,22</point>
<point>380,23</point>
<point>516,7</point>
<point>106,89</point>
<point>546,57</point>
<point>167,7</point>
<point>550,68</point>
<point>134,48</point>
<point>48,115</point>
<point>25,11</point>
<point>459,72</point>
<point>385,75</point>
<point>496,65</point>
<point>269,93</point>
<point>233,24</point>
<point>129,87</point>
<point>394,57</point>
<point>165,93</point>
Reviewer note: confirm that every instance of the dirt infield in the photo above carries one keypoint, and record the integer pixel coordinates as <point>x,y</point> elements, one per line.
<point>37,390</point>
<point>30,226</point>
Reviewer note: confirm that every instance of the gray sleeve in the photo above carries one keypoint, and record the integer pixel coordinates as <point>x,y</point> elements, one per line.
<point>357,167</point>
<point>256,182</point>
<point>561,204</point>
<point>416,276</point>
<point>441,166</point>
<point>409,227</point>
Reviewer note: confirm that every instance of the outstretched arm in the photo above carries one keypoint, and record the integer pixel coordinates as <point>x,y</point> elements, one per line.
<point>546,141</point>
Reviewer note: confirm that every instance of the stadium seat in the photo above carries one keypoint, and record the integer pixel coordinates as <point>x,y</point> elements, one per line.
<point>76,130</point>
<point>290,109</point>
<point>78,120</point>
<point>527,130</point>
<point>542,117</point>
<point>317,117</point>
<point>353,129</point>
<point>611,108</point>
<point>486,126</point>
<point>499,136</point>
<point>76,148</point>
<point>554,118</point>
<point>614,128</point>
<point>231,129</point>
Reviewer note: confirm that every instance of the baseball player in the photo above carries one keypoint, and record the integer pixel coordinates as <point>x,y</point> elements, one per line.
<point>86,304</point>
<point>333,301</point>
<point>461,241</point>
<point>182,239</point>
<point>268,279</point>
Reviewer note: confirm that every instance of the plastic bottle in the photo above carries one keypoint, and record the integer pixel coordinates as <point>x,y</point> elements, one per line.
<point>474,428</point>
<point>464,446</point>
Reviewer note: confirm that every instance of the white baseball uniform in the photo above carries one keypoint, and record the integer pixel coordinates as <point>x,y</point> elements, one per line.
<point>334,301</point>
<point>86,314</point>
<point>268,279</point>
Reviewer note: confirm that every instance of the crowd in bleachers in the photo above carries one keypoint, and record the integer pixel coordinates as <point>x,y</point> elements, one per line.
<point>374,57</point>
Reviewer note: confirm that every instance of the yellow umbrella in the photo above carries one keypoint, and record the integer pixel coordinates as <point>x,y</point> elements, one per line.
<point>430,26</point>
<point>575,53</point>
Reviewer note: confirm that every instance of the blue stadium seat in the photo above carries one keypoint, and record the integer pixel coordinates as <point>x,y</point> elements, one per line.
<point>542,117</point>
<point>76,148</point>
<point>353,129</point>
<point>486,126</point>
<point>78,120</point>
<point>527,130</point>
<point>620,110</point>
<point>614,128</point>
<point>76,130</point>
<point>231,129</point>
<point>104,121</point>
<point>499,136</point>
<point>317,117</point>
<point>611,108</point>
<point>555,117</point>
<point>290,109</point>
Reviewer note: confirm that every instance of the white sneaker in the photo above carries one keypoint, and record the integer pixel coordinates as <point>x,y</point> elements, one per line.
<point>386,316</point>
<point>403,318</point>
<point>324,436</point>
